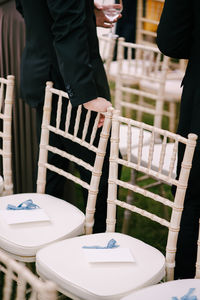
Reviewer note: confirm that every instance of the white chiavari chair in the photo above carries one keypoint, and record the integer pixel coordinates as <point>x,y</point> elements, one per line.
<point>23,240</point>
<point>148,16</point>
<point>19,283</point>
<point>6,103</point>
<point>151,77</point>
<point>80,279</point>
<point>149,64</point>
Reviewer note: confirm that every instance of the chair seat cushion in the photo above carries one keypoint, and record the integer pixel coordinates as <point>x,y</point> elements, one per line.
<point>173,89</point>
<point>156,158</point>
<point>168,290</point>
<point>25,239</point>
<point>65,264</point>
<point>135,132</point>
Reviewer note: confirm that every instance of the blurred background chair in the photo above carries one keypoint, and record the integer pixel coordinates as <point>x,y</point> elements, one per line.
<point>76,277</point>
<point>18,282</point>
<point>149,71</point>
<point>106,47</point>
<point>6,104</point>
<point>65,220</point>
<point>149,64</point>
<point>148,17</point>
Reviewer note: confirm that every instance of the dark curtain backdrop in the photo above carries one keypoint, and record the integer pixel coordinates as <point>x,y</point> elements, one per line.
<point>12,40</point>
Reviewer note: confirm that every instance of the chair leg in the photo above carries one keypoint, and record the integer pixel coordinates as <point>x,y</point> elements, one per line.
<point>129,200</point>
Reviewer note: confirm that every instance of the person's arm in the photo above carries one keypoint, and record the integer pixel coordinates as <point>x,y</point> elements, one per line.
<point>175,27</point>
<point>71,45</point>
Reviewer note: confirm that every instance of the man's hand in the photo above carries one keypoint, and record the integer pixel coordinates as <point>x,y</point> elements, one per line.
<point>98,105</point>
<point>101,19</point>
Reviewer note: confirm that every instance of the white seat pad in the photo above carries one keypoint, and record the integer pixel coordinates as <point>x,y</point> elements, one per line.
<point>135,132</point>
<point>64,263</point>
<point>167,290</point>
<point>25,239</point>
<point>173,89</point>
<point>156,158</point>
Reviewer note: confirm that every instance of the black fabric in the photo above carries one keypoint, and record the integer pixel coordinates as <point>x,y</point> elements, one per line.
<point>61,34</point>
<point>178,36</point>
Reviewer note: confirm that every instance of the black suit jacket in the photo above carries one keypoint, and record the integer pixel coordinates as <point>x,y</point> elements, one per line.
<point>178,36</point>
<point>62,46</point>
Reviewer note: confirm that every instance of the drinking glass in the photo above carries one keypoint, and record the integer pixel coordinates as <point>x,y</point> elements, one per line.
<point>112,9</point>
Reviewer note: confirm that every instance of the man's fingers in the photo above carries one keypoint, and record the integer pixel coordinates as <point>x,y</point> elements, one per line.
<point>101,120</point>
<point>106,25</point>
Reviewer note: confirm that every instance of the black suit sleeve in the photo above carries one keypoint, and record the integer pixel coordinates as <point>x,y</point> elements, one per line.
<point>174,29</point>
<point>71,45</point>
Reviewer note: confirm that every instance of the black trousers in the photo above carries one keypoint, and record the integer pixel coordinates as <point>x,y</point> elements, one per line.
<point>188,235</point>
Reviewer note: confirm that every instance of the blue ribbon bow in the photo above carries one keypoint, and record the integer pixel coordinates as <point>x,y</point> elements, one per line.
<point>111,244</point>
<point>188,296</point>
<point>28,204</point>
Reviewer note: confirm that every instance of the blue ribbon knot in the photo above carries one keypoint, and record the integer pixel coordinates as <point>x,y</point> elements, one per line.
<point>28,204</point>
<point>188,296</point>
<point>111,244</point>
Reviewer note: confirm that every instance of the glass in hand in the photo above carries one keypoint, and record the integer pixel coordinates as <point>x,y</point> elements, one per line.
<point>112,9</point>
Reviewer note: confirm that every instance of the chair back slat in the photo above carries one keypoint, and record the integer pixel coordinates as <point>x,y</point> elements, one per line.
<point>77,123</point>
<point>162,155</point>
<point>94,129</point>
<point>86,124</point>
<point>68,117</point>
<point>58,116</point>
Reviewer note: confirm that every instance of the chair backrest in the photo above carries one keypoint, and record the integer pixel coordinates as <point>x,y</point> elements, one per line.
<point>71,125</point>
<point>18,282</point>
<point>6,103</point>
<point>148,16</point>
<point>176,206</point>
<point>106,48</point>
<point>150,65</point>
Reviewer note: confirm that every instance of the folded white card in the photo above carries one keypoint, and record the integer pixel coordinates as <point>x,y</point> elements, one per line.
<point>109,255</point>
<point>24,216</point>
